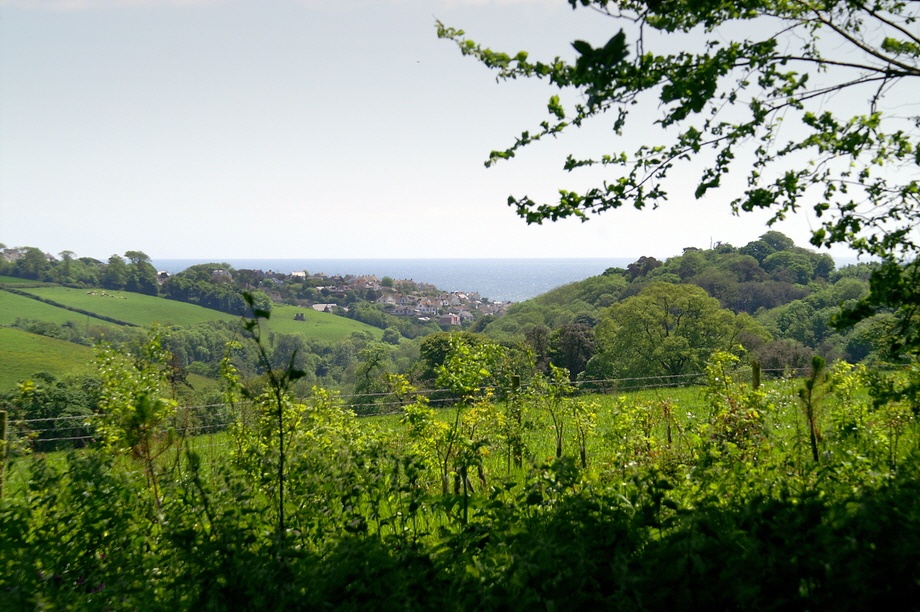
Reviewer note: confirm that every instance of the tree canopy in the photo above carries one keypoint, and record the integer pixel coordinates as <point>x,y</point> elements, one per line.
<point>805,97</point>
<point>667,330</point>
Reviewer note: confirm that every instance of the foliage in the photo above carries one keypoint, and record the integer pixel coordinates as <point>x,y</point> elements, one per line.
<point>736,412</point>
<point>666,330</point>
<point>136,414</point>
<point>679,499</point>
<point>744,72</point>
<point>52,413</point>
<point>197,285</point>
<point>571,347</point>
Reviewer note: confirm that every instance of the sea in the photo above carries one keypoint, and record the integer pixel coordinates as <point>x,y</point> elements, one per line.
<point>499,280</point>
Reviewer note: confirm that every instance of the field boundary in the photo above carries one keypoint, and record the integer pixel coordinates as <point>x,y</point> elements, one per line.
<point>65,307</point>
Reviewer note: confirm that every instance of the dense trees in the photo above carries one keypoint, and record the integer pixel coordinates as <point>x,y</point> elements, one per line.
<point>667,330</point>
<point>142,276</point>
<point>32,264</point>
<point>796,299</point>
<point>54,407</point>
<point>209,285</point>
<point>571,346</point>
<point>115,273</point>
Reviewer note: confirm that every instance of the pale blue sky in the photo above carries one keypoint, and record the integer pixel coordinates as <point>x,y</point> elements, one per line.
<point>302,129</point>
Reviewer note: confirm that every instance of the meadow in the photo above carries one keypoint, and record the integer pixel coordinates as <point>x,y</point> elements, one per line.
<point>134,308</point>
<point>318,325</point>
<point>22,354</point>
<point>14,307</point>
<point>90,313</point>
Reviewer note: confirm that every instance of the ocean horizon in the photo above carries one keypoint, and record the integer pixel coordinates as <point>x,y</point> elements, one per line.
<point>499,280</point>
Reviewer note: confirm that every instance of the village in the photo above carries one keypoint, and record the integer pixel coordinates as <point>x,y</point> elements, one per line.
<point>403,298</point>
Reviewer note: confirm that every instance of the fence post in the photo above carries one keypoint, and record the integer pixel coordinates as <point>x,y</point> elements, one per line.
<point>755,374</point>
<point>3,422</point>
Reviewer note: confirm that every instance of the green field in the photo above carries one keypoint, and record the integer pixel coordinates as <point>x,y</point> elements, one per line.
<point>22,354</point>
<point>14,307</point>
<point>319,325</point>
<point>20,282</point>
<point>145,310</point>
<point>130,307</point>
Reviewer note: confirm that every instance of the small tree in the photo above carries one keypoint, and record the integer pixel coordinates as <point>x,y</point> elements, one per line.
<point>133,401</point>
<point>811,394</point>
<point>464,372</point>
<point>551,392</point>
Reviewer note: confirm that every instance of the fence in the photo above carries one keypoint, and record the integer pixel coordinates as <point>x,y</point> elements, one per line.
<point>76,431</point>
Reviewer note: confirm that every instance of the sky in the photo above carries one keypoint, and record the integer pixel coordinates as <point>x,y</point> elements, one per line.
<point>218,129</point>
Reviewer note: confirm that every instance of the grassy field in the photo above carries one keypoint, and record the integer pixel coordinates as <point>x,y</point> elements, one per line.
<point>133,308</point>
<point>145,310</point>
<point>320,325</point>
<point>14,307</point>
<point>22,354</point>
<point>12,280</point>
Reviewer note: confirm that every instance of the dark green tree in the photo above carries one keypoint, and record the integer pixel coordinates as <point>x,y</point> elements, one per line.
<point>115,274</point>
<point>32,264</point>
<point>571,346</point>
<point>141,275</point>
<point>537,338</point>
<point>391,335</point>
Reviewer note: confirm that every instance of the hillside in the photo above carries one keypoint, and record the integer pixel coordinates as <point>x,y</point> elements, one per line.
<point>22,354</point>
<point>133,308</point>
<point>318,325</point>
<point>84,316</point>
<point>13,306</point>
<point>786,299</point>
<point>145,310</point>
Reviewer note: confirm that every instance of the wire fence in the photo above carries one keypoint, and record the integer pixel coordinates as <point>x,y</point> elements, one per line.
<point>79,430</point>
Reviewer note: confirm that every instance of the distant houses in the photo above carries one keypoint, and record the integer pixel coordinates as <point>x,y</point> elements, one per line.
<point>403,298</point>
<point>449,319</point>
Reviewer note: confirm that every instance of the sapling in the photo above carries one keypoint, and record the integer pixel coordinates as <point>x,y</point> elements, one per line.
<point>811,395</point>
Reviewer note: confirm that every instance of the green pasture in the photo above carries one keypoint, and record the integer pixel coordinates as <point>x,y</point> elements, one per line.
<point>319,325</point>
<point>19,282</point>
<point>135,308</point>
<point>144,310</point>
<point>22,354</point>
<point>14,307</point>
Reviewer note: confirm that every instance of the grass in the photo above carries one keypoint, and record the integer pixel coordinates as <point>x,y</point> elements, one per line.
<point>14,307</point>
<point>22,354</point>
<point>12,280</point>
<point>145,310</point>
<point>319,325</point>
<point>135,308</point>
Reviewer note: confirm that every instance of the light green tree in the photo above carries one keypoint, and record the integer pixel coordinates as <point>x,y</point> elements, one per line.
<point>806,99</point>
<point>134,404</point>
<point>667,330</point>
